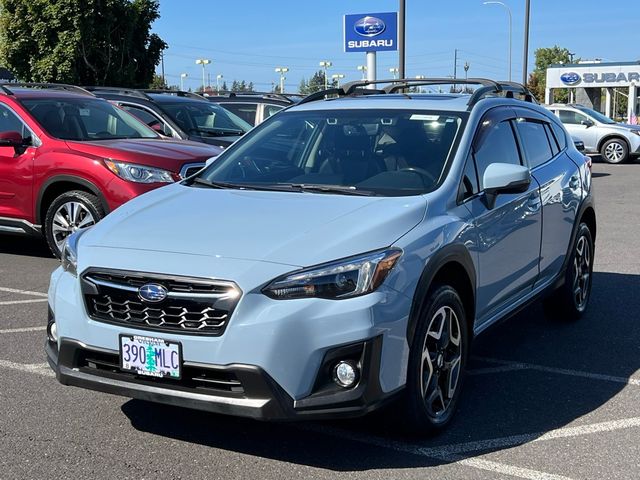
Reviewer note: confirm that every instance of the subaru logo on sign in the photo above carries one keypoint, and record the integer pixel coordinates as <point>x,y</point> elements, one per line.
<point>369,26</point>
<point>570,78</point>
<point>152,293</point>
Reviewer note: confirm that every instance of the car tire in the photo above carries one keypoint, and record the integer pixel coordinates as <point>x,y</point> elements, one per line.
<point>69,212</point>
<point>615,151</point>
<point>437,359</point>
<point>570,301</point>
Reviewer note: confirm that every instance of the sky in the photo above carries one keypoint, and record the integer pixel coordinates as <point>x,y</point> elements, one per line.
<point>247,39</point>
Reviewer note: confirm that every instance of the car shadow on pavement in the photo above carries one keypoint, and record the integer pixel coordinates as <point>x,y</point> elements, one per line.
<point>24,246</point>
<point>521,401</point>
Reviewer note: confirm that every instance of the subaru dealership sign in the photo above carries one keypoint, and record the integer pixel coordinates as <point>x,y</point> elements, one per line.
<point>372,32</point>
<point>594,75</point>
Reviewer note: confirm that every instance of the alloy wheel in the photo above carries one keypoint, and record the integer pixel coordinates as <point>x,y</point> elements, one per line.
<point>441,361</point>
<point>581,272</point>
<point>614,152</point>
<point>70,217</point>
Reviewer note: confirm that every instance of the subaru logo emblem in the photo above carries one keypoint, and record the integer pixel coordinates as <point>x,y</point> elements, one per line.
<point>369,26</point>
<point>152,293</point>
<point>570,78</point>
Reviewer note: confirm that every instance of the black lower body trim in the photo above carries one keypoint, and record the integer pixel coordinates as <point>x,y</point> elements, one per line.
<point>260,397</point>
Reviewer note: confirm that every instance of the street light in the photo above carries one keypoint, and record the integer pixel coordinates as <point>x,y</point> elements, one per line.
<point>394,71</point>
<point>282,71</point>
<point>325,64</point>
<point>510,28</point>
<point>204,62</point>
<point>338,77</point>
<point>182,77</point>
<point>218,78</point>
<point>363,69</point>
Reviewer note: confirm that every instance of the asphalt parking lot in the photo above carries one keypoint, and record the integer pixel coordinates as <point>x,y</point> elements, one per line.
<point>544,400</point>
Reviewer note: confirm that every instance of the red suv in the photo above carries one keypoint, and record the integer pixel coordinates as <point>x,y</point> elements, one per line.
<point>67,158</point>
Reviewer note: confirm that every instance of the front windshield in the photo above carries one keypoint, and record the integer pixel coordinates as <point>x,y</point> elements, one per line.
<point>87,119</point>
<point>597,115</point>
<point>382,152</point>
<point>205,119</point>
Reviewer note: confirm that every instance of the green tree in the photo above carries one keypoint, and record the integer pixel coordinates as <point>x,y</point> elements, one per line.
<point>538,79</point>
<point>316,83</point>
<point>85,42</point>
<point>158,83</point>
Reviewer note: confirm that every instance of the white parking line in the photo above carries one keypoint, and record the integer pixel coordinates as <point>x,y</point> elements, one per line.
<point>37,368</point>
<point>479,463</point>
<point>515,440</point>
<point>489,370</point>
<point>18,302</point>
<point>561,371</point>
<point>22,330</point>
<point>22,292</point>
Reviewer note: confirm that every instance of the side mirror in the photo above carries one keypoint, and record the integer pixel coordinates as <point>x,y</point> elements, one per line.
<point>587,123</point>
<point>11,139</point>
<point>210,161</point>
<point>158,128</point>
<point>504,178</point>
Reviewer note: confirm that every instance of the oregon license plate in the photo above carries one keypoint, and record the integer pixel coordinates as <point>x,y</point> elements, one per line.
<point>150,356</point>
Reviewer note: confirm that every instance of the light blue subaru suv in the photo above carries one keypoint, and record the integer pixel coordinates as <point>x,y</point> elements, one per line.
<point>340,256</point>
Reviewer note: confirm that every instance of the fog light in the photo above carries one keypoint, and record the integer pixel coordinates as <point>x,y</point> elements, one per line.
<point>52,332</point>
<point>345,374</point>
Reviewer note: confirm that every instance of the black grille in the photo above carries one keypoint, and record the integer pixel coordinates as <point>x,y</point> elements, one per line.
<point>192,306</point>
<point>204,380</point>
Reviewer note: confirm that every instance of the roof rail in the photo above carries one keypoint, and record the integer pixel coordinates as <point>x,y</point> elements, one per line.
<point>488,87</point>
<point>52,86</point>
<point>120,91</point>
<point>275,95</point>
<point>5,90</point>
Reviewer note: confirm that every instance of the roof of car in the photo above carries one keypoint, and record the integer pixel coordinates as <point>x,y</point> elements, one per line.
<point>27,92</point>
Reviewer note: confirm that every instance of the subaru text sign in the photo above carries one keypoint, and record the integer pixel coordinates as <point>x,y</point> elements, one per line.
<point>371,32</point>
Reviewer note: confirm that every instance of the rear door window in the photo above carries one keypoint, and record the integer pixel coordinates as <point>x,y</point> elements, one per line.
<point>534,141</point>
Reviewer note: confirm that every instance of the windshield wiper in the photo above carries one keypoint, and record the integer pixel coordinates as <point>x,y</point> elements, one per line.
<point>215,132</point>
<point>207,183</point>
<point>342,189</point>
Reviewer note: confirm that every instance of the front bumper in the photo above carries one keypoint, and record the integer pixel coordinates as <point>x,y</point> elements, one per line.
<point>258,396</point>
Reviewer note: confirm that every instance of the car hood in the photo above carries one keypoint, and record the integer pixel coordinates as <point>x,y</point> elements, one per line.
<point>297,229</point>
<point>624,126</point>
<point>165,154</point>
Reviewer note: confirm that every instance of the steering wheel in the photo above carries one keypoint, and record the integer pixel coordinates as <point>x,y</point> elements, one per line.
<point>422,172</point>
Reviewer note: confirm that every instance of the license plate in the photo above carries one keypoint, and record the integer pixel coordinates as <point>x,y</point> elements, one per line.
<point>154,357</point>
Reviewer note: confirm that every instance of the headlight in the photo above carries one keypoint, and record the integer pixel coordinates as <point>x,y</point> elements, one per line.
<point>342,279</point>
<point>69,256</point>
<point>139,173</point>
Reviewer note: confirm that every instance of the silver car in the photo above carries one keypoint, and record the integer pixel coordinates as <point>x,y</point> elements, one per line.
<point>616,142</point>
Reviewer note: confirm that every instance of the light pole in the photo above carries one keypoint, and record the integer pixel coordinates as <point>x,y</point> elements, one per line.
<point>363,69</point>
<point>510,28</point>
<point>394,71</point>
<point>337,77</point>
<point>218,78</point>
<point>282,71</point>
<point>466,70</point>
<point>525,59</point>
<point>325,64</point>
<point>204,62</point>
<point>182,77</point>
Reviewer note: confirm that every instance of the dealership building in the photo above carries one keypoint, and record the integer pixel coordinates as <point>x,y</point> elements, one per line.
<point>587,81</point>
